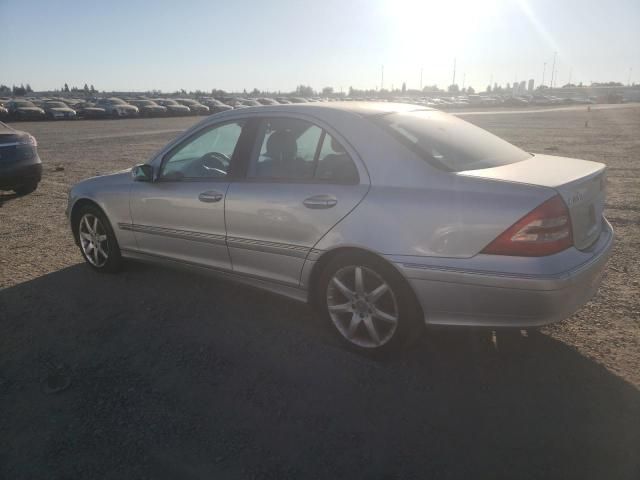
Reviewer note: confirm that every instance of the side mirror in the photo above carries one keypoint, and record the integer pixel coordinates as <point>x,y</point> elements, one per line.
<point>142,173</point>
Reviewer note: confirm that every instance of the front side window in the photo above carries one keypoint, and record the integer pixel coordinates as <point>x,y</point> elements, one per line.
<point>293,149</point>
<point>207,155</point>
<point>448,142</point>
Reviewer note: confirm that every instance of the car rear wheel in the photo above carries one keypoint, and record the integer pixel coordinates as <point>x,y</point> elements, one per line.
<point>97,241</point>
<point>369,304</point>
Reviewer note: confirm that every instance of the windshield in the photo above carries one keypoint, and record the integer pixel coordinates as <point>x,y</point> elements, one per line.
<point>55,105</point>
<point>23,104</point>
<point>117,101</point>
<point>449,143</point>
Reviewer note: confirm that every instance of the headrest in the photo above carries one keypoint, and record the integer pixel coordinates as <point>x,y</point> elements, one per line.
<point>282,145</point>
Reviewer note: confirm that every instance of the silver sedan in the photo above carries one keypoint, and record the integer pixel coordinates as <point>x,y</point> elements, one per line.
<point>387,217</point>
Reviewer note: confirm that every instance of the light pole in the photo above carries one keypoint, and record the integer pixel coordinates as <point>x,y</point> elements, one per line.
<point>553,68</point>
<point>454,72</point>
<point>382,78</point>
<point>544,69</point>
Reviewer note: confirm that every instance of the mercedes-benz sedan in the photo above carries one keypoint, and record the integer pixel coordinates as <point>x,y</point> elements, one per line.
<point>388,217</point>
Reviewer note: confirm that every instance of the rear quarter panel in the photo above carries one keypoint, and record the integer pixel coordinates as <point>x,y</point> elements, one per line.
<point>448,216</point>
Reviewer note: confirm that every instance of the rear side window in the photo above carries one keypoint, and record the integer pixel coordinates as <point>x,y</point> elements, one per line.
<point>448,142</point>
<point>293,149</point>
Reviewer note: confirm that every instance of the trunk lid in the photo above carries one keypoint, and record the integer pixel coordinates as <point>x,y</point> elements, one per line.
<point>580,183</point>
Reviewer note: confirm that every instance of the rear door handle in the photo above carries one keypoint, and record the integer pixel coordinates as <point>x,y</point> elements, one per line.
<point>320,201</point>
<point>210,196</point>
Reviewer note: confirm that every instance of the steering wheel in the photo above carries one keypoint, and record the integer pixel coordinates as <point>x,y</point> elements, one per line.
<point>215,162</point>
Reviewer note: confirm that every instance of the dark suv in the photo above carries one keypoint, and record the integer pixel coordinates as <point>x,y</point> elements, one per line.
<point>20,166</point>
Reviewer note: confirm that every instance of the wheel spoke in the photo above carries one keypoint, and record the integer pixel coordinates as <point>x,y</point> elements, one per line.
<point>343,307</point>
<point>85,236</point>
<point>86,224</point>
<point>353,325</point>
<point>102,238</point>
<point>359,281</point>
<point>102,252</point>
<point>375,295</point>
<point>95,256</point>
<point>343,289</point>
<point>95,225</point>
<point>371,328</point>
<point>379,314</point>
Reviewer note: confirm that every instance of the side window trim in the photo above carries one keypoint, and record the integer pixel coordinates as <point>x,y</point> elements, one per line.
<point>316,157</point>
<point>195,135</point>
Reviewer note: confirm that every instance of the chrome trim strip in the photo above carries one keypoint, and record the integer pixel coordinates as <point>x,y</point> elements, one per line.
<point>175,233</point>
<point>314,254</point>
<point>287,249</point>
<point>465,271</point>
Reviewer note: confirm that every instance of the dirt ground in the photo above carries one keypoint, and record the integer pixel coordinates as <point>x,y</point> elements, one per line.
<point>175,375</point>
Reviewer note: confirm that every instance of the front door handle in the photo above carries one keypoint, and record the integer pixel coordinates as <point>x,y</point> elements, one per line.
<point>210,196</point>
<point>320,201</point>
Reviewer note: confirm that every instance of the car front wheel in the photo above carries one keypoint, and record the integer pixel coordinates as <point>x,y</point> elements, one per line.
<point>369,303</point>
<point>97,241</point>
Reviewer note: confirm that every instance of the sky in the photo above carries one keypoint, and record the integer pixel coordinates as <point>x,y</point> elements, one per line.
<point>276,45</point>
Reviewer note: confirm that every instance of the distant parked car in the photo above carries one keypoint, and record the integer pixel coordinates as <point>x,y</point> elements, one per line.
<point>250,102</point>
<point>173,107</point>
<point>117,107</point>
<point>149,108</point>
<point>4,113</point>
<point>24,110</point>
<point>267,101</point>
<point>215,106</point>
<point>283,101</point>
<point>20,166</point>
<point>298,100</point>
<point>58,111</point>
<point>89,110</point>
<point>515,102</point>
<point>196,107</point>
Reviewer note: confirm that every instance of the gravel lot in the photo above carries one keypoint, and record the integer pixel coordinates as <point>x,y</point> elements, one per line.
<point>175,375</point>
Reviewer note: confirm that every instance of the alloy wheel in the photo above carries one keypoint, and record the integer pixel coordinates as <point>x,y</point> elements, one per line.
<point>93,240</point>
<point>362,306</point>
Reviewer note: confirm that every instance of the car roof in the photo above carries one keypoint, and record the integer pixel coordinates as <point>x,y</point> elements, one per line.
<point>363,109</point>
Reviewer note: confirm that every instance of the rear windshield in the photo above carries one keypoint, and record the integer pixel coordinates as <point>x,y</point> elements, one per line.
<point>449,143</point>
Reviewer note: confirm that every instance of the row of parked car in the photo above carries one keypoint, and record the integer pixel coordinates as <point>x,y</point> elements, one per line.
<point>113,107</point>
<point>463,101</point>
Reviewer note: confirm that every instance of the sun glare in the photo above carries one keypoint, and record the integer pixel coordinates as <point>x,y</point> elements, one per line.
<point>435,28</point>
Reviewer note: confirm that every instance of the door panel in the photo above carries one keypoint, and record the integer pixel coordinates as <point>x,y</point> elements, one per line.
<point>301,182</point>
<point>171,219</point>
<point>181,215</point>
<point>270,230</point>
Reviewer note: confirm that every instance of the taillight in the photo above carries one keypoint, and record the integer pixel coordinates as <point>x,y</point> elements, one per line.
<point>543,231</point>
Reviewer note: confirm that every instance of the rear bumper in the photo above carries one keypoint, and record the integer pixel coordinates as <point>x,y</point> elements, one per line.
<point>453,296</point>
<point>18,175</point>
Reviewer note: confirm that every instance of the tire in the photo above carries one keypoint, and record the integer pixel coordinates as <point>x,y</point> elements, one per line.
<point>26,189</point>
<point>354,314</point>
<point>107,257</point>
